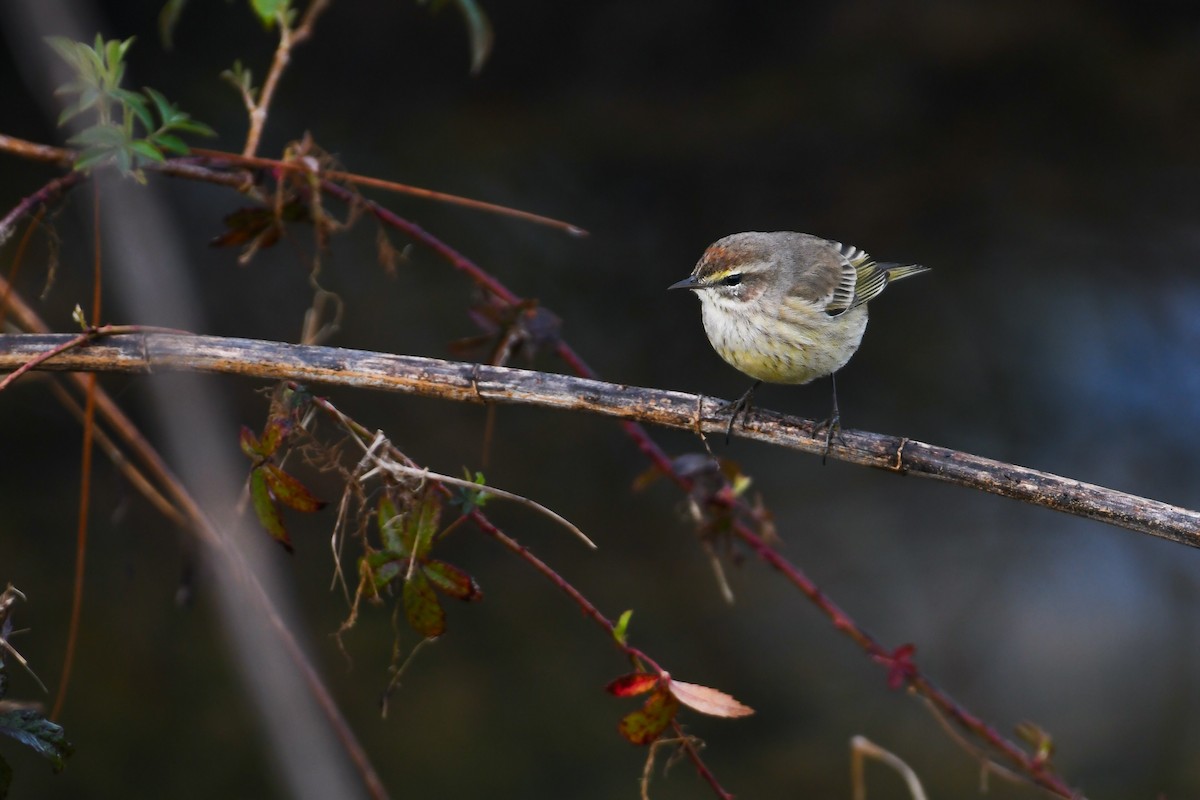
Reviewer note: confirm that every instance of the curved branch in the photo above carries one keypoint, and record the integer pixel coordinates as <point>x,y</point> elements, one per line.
<point>477,383</point>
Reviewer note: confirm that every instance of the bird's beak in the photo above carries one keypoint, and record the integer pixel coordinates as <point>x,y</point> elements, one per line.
<point>689,282</point>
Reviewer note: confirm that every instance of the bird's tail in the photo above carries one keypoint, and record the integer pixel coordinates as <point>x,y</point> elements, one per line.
<point>897,271</point>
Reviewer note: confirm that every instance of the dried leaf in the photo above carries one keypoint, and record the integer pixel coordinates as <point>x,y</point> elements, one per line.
<point>452,581</point>
<point>249,443</point>
<point>421,607</point>
<point>707,700</point>
<point>289,491</point>
<point>644,725</point>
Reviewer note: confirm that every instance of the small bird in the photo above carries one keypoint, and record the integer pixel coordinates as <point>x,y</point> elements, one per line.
<point>787,307</point>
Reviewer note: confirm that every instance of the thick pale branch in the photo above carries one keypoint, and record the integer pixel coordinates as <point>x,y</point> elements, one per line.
<point>486,384</point>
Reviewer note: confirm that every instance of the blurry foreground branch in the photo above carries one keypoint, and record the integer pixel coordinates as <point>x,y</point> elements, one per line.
<point>480,383</point>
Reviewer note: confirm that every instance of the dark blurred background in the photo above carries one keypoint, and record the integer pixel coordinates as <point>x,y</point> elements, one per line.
<point>1040,157</point>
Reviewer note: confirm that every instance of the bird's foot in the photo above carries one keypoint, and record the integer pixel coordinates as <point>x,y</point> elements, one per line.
<point>832,427</point>
<point>740,407</point>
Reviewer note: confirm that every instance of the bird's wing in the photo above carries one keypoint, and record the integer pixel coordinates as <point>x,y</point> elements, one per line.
<point>845,294</point>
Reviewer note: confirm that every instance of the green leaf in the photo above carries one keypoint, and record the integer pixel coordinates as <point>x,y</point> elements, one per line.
<point>114,50</point>
<point>166,111</point>
<point>186,124</point>
<point>644,725</point>
<point>421,607</point>
<point>68,50</point>
<point>386,567</point>
<point>168,18</point>
<point>241,78</point>
<point>93,58</point>
<point>146,150</point>
<point>289,491</point>
<point>266,510</point>
<point>467,500</point>
<point>91,158</point>
<point>268,9</point>
<point>426,525</point>
<point>30,727</point>
<point>452,581</point>
<point>171,144</point>
<point>621,629</point>
<point>110,136</point>
<point>389,526</point>
<point>135,103</point>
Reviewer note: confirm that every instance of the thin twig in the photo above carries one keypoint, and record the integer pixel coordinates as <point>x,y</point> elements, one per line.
<point>221,158</point>
<point>382,465</point>
<point>48,194</point>
<point>288,39</point>
<point>861,748</point>
<point>85,481</point>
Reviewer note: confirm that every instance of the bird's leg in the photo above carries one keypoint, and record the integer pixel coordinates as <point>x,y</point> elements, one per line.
<point>740,406</point>
<point>834,423</point>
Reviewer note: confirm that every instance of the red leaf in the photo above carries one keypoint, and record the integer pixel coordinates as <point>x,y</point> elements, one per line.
<point>644,725</point>
<point>707,700</point>
<point>289,491</point>
<point>452,580</point>
<point>265,509</point>
<point>632,684</point>
<point>421,606</point>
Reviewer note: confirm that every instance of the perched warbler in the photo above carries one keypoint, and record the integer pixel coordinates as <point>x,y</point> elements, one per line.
<point>787,307</point>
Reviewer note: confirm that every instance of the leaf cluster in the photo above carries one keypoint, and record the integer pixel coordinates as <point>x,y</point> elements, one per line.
<point>407,538</point>
<point>131,129</point>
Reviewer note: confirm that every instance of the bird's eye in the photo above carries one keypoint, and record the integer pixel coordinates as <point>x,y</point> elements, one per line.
<point>732,280</point>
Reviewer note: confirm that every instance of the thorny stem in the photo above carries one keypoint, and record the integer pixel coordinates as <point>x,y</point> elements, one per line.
<point>589,610</point>
<point>1035,772</point>
<point>693,754</point>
